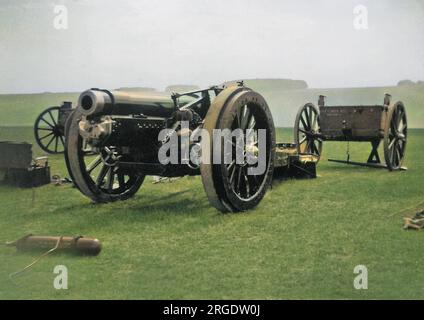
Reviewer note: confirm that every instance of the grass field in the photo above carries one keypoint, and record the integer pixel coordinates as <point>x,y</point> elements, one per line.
<point>302,241</point>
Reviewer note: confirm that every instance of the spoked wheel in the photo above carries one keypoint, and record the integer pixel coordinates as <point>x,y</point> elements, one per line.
<point>307,131</point>
<point>96,172</point>
<point>49,134</point>
<point>232,185</point>
<point>395,135</point>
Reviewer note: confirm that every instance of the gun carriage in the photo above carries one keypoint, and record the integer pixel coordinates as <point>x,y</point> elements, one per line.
<point>112,143</point>
<point>385,123</point>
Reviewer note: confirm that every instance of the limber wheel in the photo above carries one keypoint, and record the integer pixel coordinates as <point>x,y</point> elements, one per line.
<point>395,135</point>
<point>96,172</point>
<point>229,185</point>
<point>307,131</point>
<point>49,134</point>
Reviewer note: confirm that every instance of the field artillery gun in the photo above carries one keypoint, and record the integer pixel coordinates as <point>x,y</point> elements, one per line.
<point>49,128</point>
<point>114,139</point>
<point>385,123</point>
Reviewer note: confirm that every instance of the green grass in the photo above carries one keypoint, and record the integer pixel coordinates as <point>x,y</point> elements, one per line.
<point>302,241</point>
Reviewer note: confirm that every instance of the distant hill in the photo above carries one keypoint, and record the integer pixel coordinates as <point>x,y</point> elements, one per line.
<point>135,89</point>
<point>272,84</point>
<point>283,96</point>
<point>181,88</point>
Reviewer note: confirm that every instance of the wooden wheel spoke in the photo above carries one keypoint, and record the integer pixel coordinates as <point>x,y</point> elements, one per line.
<point>393,155</point>
<point>402,146</point>
<point>315,121</point>
<point>245,118</point>
<point>311,117</point>
<point>247,185</point>
<point>121,180</point>
<point>239,179</point>
<point>46,136</point>
<point>62,141</point>
<point>401,150</point>
<point>50,142</point>
<point>239,117</point>
<point>308,146</point>
<point>401,126</point>
<point>395,117</point>
<point>233,176</point>
<point>312,149</point>
<point>51,117</point>
<point>110,179</point>
<point>393,126</point>
<point>398,156</point>
<point>308,120</point>
<point>230,167</point>
<point>316,148</point>
<point>304,123</point>
<point>252,122</point>
<point>56,144</point>
<point>251,137</point>
<point>257,183</point>
<point>94,164</point>
<point>392,143</point>
<point>48,123</point>
<point>102,175</point>
<point>399,118</point>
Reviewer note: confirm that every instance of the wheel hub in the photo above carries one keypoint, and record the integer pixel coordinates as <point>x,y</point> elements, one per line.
<point>250,155</point>
<point>110,157</point>
<point>400,136</point>
<point>56,131</point>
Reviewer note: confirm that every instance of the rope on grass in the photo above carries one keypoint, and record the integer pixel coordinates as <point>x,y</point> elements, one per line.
<point>409,209</point>
<point>14,274</point>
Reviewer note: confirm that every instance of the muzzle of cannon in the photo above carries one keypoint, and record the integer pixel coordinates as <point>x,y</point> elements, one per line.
<point>96,102</point>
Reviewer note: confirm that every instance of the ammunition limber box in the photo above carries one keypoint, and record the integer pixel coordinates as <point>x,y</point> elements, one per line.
<point>19,168</point>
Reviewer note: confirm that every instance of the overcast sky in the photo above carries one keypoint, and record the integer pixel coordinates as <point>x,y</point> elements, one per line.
<point>156,43</point>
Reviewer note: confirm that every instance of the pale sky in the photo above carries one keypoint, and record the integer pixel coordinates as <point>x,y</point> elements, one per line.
<point>150,43</point>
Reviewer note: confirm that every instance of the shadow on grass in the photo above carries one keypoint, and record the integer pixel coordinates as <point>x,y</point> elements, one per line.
<point>176,203</point>
<point>334,166</point>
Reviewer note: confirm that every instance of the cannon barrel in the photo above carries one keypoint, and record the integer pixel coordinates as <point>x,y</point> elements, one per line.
<point>101,102</point>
